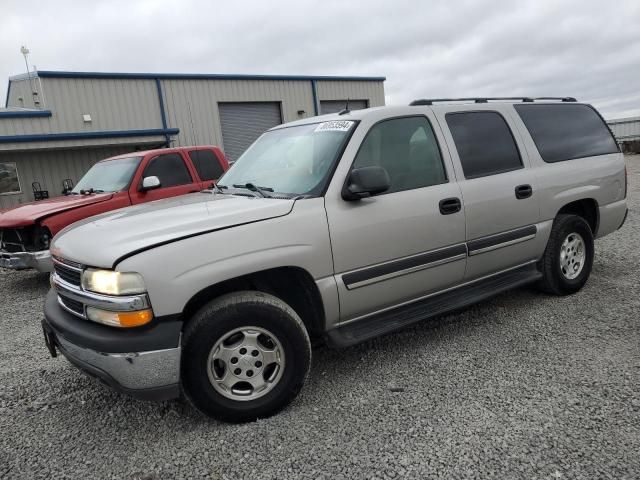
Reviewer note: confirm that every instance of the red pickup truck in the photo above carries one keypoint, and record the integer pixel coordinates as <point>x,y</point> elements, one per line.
<point>117,182</point>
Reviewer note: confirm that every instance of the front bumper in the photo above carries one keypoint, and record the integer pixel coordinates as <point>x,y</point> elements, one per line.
<point>145,364</point>
<point>41,260</point>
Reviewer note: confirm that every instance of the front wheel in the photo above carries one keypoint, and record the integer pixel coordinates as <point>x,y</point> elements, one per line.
<point>246,356</point>
<point>568,258</point>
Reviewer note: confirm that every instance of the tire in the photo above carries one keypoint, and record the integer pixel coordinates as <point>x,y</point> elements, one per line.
<point>561,276</point>
<point>212,356</point>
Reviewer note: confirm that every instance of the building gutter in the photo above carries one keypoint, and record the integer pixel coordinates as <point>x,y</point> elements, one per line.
<point>6,102</point>
<point>25,113</point>
<point>163,115</point>
<point>54,137</point>
<point>314,92</point>
<point>197,76</point>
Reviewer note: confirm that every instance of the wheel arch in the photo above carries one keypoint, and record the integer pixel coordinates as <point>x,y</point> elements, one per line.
<point>586,208</point>
<point>293,285</point>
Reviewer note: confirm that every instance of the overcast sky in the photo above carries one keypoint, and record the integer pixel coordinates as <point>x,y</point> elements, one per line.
<point>587,49</point>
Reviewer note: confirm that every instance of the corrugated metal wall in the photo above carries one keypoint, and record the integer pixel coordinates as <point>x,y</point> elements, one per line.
<point>625,128</point>
<point>341,90</point>
<point>113,104</point>
<point>195,102</point>
<point>20,93</point>
<point>51,168</point>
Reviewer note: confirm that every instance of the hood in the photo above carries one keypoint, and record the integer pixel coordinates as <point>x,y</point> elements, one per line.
<point>29,213</point>
<point>101,240</point>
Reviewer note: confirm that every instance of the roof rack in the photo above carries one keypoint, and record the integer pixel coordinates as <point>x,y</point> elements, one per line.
<point>431,101</point>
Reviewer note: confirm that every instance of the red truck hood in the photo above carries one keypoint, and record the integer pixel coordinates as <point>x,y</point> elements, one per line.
<point>29,213</point>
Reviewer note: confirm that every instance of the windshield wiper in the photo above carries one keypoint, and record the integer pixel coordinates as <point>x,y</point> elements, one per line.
<point>254,188</point>
<point>91,190</point>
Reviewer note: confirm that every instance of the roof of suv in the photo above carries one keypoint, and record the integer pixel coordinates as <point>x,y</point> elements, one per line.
<point>433,104</point>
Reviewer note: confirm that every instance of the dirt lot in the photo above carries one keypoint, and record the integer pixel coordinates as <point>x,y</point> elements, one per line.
<point>522,386</point>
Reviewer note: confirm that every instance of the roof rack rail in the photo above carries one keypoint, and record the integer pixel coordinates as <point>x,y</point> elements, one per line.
<point>431,101</point>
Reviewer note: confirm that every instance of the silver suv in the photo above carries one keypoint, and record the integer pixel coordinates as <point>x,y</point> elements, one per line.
<point>338,229</point>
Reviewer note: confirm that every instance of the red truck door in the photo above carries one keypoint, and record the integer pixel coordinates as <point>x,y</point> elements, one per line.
<point>210,164</point>
<point>174,175</point>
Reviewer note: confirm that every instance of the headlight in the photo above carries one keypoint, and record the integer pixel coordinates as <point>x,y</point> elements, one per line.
<point>109,282</point>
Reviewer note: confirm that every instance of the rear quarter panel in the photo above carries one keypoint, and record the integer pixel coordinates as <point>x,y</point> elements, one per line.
<point>600,178</point>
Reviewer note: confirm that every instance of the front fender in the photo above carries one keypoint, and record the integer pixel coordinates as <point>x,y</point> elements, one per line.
<point>176,271</point>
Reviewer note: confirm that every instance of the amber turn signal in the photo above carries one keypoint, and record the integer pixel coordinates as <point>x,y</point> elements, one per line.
<point>120,319</point>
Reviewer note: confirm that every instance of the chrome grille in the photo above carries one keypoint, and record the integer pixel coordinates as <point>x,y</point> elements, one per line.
<point>68,274</point>
<point>72,305</point>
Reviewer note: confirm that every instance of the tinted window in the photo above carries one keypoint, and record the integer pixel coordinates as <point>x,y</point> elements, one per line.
<point>564,132</point>
<point>484,142</point>
<point>407,149</point>
<point>170,169</point>
<point>207,164</point>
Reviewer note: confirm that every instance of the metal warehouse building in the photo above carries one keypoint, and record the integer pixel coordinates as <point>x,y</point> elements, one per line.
<point>627,133</point>
<point>55,125</point>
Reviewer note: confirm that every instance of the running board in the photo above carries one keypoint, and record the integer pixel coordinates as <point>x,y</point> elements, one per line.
<point>401,317</point>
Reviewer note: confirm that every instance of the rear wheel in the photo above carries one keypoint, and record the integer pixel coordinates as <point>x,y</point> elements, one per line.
<point>568,258</point>
<point>245,356</point>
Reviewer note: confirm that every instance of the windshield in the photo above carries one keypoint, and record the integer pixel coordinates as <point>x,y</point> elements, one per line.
<point>109,176</point>
<point>293,161</point>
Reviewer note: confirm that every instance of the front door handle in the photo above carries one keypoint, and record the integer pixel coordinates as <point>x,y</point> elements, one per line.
<point>523,191</point>
<point>450,205</point>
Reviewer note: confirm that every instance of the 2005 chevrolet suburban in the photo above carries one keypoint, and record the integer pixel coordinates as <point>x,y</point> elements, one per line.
<point>339,228</point>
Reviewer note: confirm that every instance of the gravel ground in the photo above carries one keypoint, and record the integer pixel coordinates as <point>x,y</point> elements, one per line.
<point>521,386</point>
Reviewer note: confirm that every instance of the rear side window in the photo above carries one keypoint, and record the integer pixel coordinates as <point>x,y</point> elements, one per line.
<point>484,142</point>
<point>407,149</point>
<point>565,132</point>
<point>207,164</point>
<point>170,169</point>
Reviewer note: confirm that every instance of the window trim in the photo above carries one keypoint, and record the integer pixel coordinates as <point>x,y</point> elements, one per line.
<point>19,192</point>
<point>364,139</point>
<point>515,142</point>
<point>570,158</point>
<point>144,172</point>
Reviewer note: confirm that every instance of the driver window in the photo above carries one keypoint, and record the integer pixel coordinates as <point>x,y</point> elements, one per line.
<point>407,149</point>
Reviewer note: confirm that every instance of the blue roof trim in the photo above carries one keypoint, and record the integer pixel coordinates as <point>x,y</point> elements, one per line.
<point>52,137</point>
<point>194,76</point>
<point>25,113</point>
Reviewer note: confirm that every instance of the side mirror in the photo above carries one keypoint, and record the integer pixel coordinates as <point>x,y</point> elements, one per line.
<point>366,182</point>
<point>150,183</point>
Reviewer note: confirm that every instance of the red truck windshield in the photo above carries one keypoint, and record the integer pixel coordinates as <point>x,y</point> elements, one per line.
<point>109,175</point>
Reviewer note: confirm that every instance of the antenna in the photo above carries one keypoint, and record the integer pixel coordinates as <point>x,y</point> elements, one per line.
<point>345,109</point>
<point>25,53</point>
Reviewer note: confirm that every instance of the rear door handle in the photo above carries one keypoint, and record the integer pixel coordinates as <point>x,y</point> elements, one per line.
<point>450,205</point>
<point>523,191</point>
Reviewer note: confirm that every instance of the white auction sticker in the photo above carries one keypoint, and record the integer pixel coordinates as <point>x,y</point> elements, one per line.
<point>334,126</point>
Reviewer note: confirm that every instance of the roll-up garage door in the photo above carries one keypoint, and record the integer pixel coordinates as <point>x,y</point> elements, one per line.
<point>334,106</point>
<point>243,122</point>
